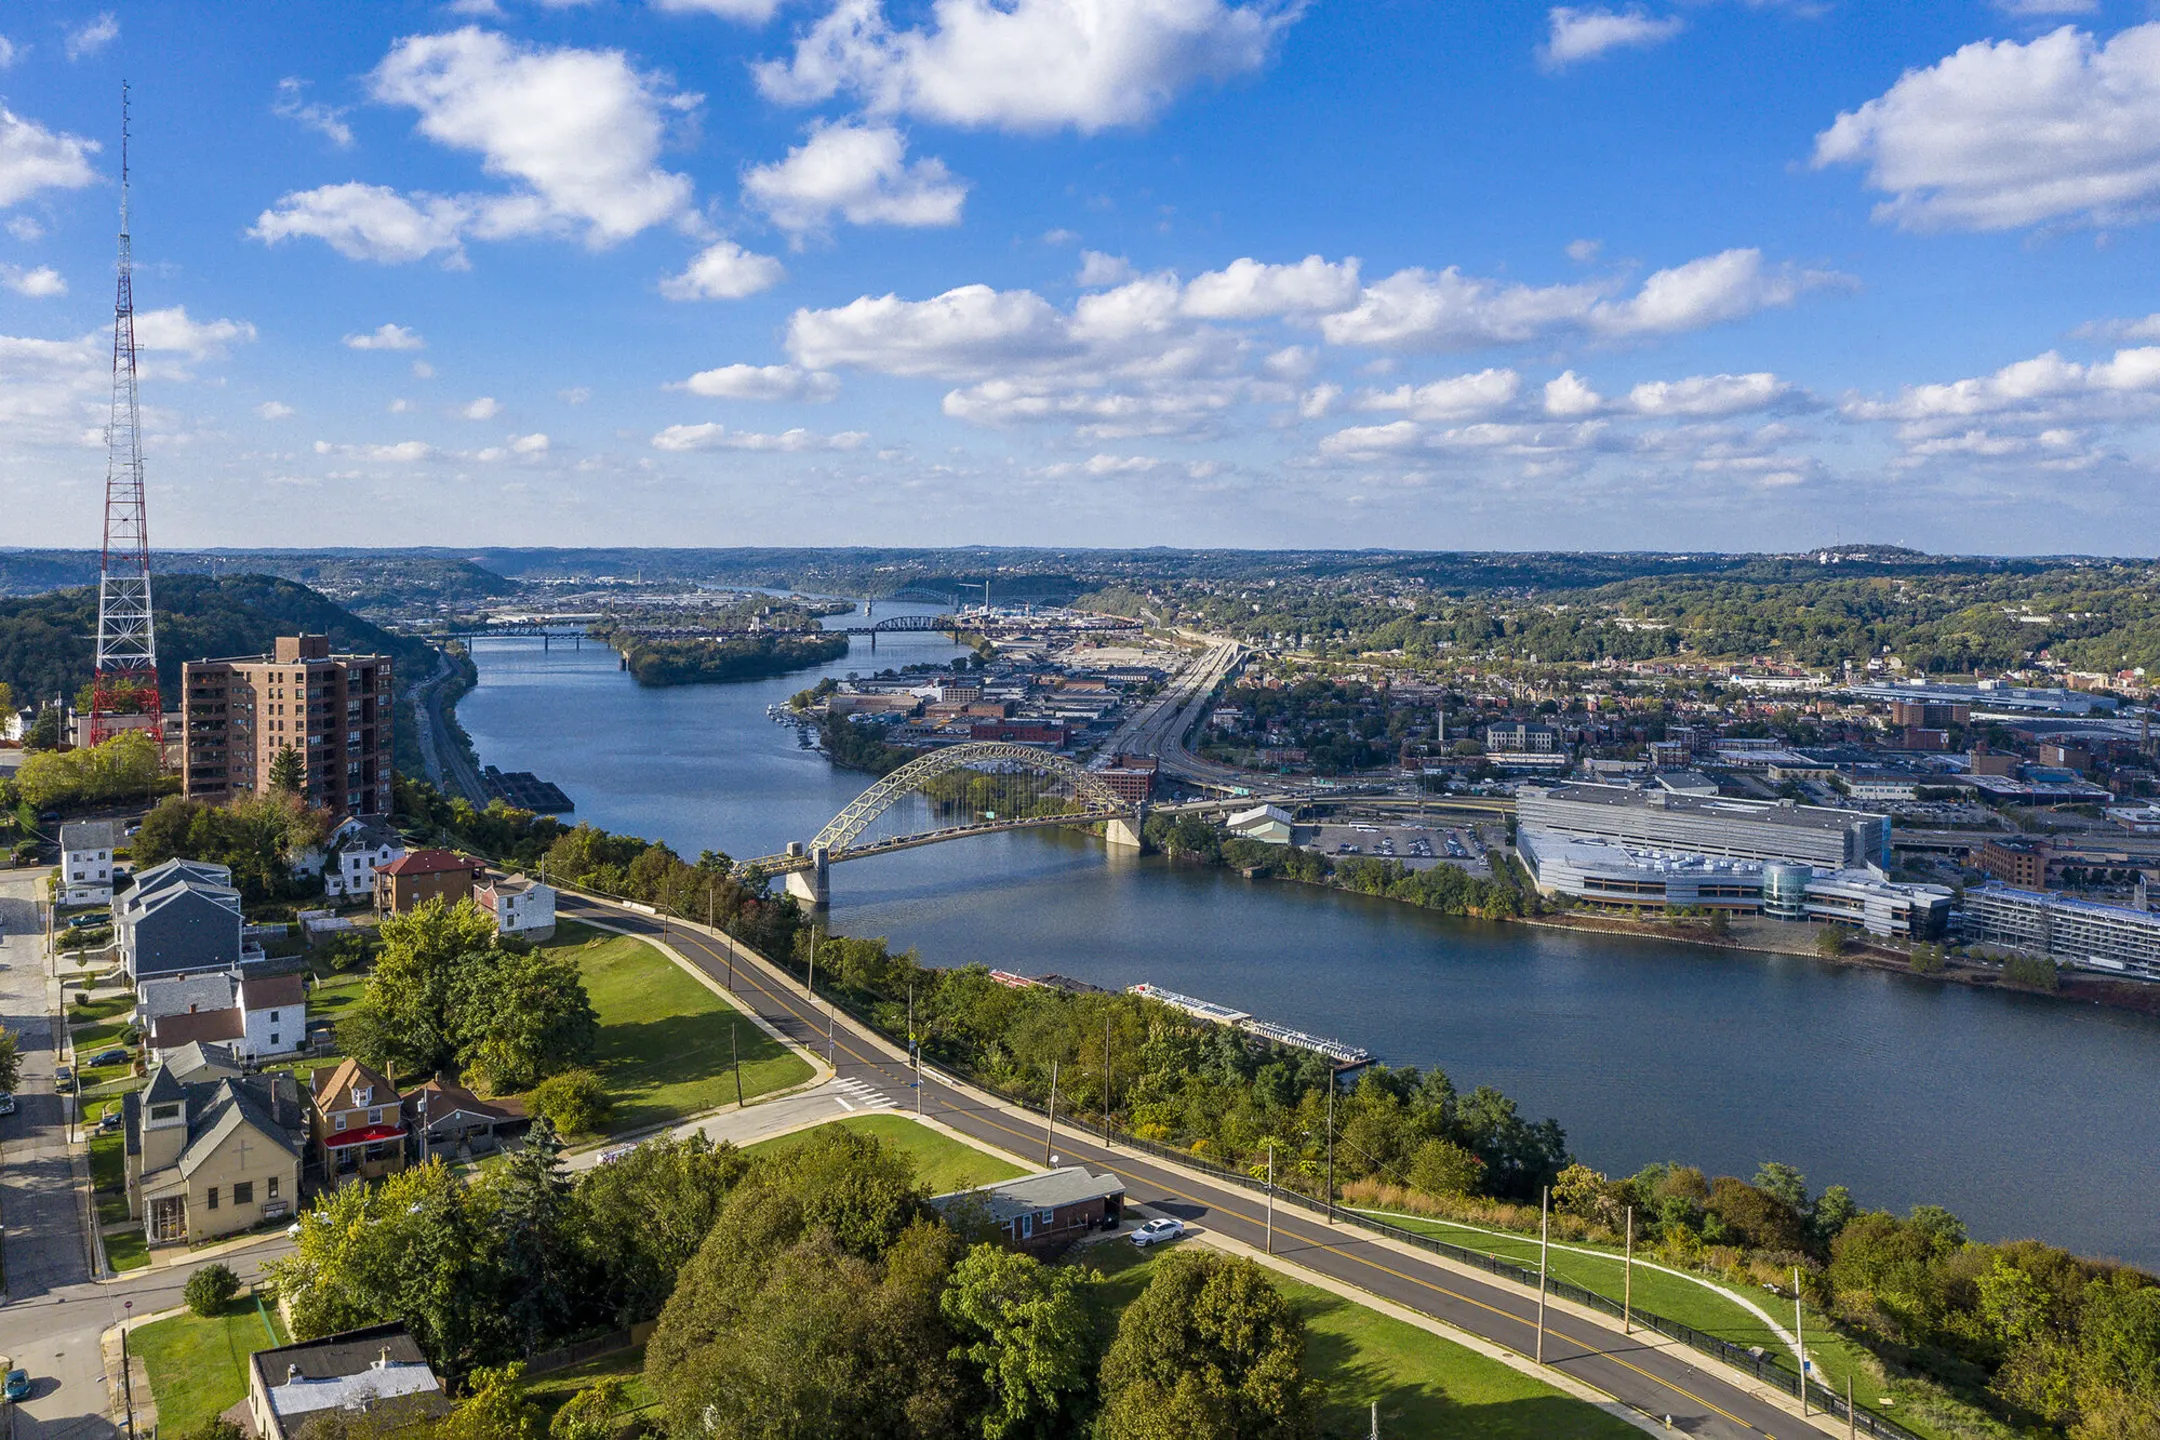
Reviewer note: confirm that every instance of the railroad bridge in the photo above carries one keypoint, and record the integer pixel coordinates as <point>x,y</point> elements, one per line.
<point>960,791</point>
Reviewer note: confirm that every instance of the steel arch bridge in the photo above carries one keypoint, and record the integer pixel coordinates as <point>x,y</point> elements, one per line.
<point>1061,793</point>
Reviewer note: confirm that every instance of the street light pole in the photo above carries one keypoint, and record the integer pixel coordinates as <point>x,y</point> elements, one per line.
<point>1627,1279</point>
<point>1799,1339</point>
<point>1271,1197</point>
<point>1331,1166</point>
<point>127,1380</point>
<point>1543,1235</point>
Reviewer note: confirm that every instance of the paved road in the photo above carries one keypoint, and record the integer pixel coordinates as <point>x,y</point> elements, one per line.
<point>1699,1398</point>
<point>1160,725</point>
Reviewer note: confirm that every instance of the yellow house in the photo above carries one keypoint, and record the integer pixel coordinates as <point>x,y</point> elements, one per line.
<point>212,1155</point>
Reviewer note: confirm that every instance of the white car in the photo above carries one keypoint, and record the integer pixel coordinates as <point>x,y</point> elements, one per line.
<point>1154,1232</point>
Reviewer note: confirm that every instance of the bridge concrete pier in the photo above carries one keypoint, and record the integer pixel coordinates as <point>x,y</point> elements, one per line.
<point>813,887</point>
<point>1124,832</point>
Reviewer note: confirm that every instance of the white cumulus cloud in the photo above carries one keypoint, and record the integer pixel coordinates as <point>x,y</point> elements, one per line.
<point>960,334</point>
<point>1029,64</point>
<point>484,408</point>
<point>33,158</point>
<point>533,444</point>
<point>1459,397</point>
<point>711,436</point>
<point>42,283</point>
<point>325,120</point>
<point>369,222</point>
<point>172,329</point>
<point>762,382</point>
<point>92,36</point>
<point>1709,395</point>
<point>747,12</point>
<point>859,172</point>
<point>1575,34</point>
<point>2001,135</point>
<point>724,271</point>
<point>1249,290</point>
<point>273,410</point>
<point>386,336</point>
<point>1568,396</point>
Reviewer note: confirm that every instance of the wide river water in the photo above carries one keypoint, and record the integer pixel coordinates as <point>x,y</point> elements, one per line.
<point>2026,1116</point>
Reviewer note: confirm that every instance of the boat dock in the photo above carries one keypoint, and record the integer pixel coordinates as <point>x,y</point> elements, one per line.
<point>1343,1057</point>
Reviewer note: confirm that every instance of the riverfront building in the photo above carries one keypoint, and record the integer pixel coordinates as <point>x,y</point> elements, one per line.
<point>333,711</point>
<point>1707,825</point>
<point>2091,936</point>
<point>1606,872</point>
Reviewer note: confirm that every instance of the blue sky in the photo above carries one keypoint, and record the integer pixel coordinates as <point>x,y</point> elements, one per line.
<point>1745,274</point>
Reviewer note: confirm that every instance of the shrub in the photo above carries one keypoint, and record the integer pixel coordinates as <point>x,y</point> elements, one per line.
<point>210,1289</point>
<point>574,1102</point>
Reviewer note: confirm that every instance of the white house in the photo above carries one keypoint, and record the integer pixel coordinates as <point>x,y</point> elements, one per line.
<point>86,862</point>
<point>522,907</point>
<point>258,1017</point>
<point>358,848</point>
<point>1268,824</point>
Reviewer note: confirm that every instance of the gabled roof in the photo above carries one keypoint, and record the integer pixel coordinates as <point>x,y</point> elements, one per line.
<point>196,1061</point>
<point>232,1107</point>
<point>429,862</point>
<point>273,992</point>
<point>446,1098</point>
<point>1072,1185</point>
<point>358,834</point>
<point>177,995</point>
<point>170,1032</point>
<point>164,1087</point>
<point>332,1086</point>
<point>88,835</point>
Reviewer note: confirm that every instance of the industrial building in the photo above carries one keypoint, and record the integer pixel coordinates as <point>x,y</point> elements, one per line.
<point>1707,825</point>
<point>2084,933</point>
<point>331,710</point>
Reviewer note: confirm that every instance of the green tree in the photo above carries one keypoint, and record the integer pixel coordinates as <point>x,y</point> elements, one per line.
<point>530,1198</point>
<point>10,1061</point>
<point>575,1102</point>
<point>1209,1351</point>
<point>44,732</point>
<point>1830,941</point>
<point>210,1289</point>
<point>1024,1327</point>
<point>494,1408</point>
<point>405,1018</point>
<point>521,1015</point>
<point>643,1216</point>
<point>1441,1167</point>
<point>288,771</point>
<point>591,1414</point>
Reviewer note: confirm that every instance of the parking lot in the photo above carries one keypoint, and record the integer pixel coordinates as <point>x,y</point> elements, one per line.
<point>1420,847</point>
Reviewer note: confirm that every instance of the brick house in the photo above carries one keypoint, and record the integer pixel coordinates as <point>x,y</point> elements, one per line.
<point>357,1123</point>
<point>415,878</point>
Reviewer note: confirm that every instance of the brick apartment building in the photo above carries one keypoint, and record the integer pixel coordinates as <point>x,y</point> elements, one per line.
<point>333,710</point>
<point>413,879</point>
<point>2019,864</point>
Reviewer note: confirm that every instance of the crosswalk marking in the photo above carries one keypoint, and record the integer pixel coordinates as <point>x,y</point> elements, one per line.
<point>864,1094</point>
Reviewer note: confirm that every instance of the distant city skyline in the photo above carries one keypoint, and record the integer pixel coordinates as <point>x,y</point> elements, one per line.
<point>1676,274</point>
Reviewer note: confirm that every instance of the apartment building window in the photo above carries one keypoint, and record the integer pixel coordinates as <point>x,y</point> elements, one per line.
<point>243,1192</point>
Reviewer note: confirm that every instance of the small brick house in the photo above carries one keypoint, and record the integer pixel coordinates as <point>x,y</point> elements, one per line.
<point>415,878</point>
<point>1046,1211</point>
<point>357,1120</point>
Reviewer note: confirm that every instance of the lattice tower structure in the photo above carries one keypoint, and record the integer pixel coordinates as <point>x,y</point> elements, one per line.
<point>126,681</point>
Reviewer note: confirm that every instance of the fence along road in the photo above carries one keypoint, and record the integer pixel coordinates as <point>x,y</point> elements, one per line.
<point>1654,1380</point>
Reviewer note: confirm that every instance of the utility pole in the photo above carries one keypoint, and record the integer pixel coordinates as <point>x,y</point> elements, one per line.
<point>1271,1197</point>
<point>1050,1126</point>
<point>735,1053</point>
<point>1106,1079</point>
<point>1799,1339</point>
<point>1852,1416</point>
<point>127,1379</point>
<point>828,1032</point>
<point>1331,1186</point>
<point>1543,1236</point>
<point>1627,1279</point>
<point>1376,1420</point>
<point>810,984</point>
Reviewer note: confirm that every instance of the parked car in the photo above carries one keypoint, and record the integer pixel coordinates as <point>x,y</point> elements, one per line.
<point>7,1103</point>
<point>112,1055</point>
<point>18,1384</point>
<point>1154,1232</point>
<point>111,1119</point>
<point>84,922</point>
<point>63,1079</point>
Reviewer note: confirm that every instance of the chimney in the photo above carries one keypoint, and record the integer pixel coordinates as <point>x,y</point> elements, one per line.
<point>292,1374</point>
<point>382,1362</point>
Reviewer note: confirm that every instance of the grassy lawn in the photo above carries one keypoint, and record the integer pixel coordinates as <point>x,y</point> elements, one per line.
<point>1425,1385</point>
<point>664,1048</point>
<point>127,1250</point>
<point>108,1175</point>
<point>941,1162</point>
<point>552,1390</point>
<point>199,1367</point>
<point>1700,1307</point>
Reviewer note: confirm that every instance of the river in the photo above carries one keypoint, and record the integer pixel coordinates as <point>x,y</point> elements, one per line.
<point>2026,1116</point>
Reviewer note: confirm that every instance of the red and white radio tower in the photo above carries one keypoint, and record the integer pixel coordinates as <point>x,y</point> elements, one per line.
<point>126,681</point>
